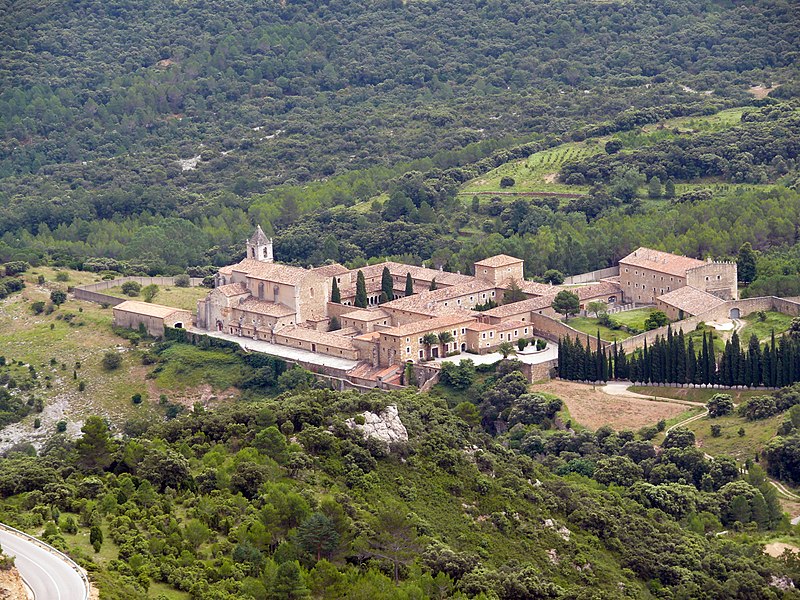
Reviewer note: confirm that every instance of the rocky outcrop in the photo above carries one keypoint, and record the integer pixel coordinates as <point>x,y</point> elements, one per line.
<point>11,586</point>
<point>386,426</point>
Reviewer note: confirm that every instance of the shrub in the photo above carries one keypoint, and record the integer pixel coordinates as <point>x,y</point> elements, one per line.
<point>58,297</point>
<point>719,405</point>
<point>131,288</point>
<point>37,307</point>
<point>81,386</point>
<point>136,398</point>
<point>111,360</point>
<point>541,344</point>
<point>758,407</point>
<point>149,292</point>
<point>61,426</point>
<point>716,430</point>
<point>62,276</point>
<point>40,280</point>
<point>506,182</point>
<point>183,280</point>
<point>655,320</point>
<point>522,344</point>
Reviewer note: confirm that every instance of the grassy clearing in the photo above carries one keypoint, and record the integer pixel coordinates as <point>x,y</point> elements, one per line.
<point>189,366</point>
<point>537,172</point>
<point>590,326</point>
<point>756,435</point>
<point>692,394</point>
<point>775,321</point>
<point>177,297</point>
<point>632,318</point>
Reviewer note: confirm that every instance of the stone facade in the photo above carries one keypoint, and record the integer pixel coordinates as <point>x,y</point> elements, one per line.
<point>155,317</point>
<point>500,269</point>
<point>719,279</point>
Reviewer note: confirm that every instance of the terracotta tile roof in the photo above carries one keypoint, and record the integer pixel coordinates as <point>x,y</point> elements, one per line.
<point>275,272</point>
<point>500,260</point>
<point>663,262</point>
<point>366,315</point>
<point>349,290</point>
<point>421,273</point>
<point>437,323</point>
<point>594,290</point>
<point>480,327</point>
<point>506,325</point>
<point>518,308</point>
<point>331,270</point>
<point>147,309</point>
<point>429,302</point>
<point>690,300</point>
<point>368,337</point>
<point>262,307</point>
<point>318,337</point>
<point>232,289</point>
<point>535,288</point>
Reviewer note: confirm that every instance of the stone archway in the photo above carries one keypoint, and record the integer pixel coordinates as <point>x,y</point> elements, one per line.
<point>735,313</point>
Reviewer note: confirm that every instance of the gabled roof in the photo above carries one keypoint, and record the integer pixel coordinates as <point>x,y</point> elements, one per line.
<point>437,323</point>
<point>690,300</point>
<point>273,272</point>
<point>261,307</point>
<point>593,290</point>
<point>147,309</point>
<point>366,315</point>
<point>232,289</point>
<point>318,337</point>
<point>259,237</point>
<point>431,302</point>
<point>331,270</point>
<point>537,289</point>
<point>499,260</point>
<point>663,262</point>
<point>419,273</point>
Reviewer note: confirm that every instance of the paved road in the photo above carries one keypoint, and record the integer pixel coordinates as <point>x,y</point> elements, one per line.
<point>47,574</point>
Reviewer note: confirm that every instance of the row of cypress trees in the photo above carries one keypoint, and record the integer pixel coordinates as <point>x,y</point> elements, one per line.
<point>671,359</point>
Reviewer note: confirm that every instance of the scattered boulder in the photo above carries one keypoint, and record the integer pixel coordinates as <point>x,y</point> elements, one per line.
<point>385,426</point>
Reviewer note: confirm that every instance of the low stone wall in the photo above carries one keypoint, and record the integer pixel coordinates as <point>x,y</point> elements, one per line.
<point>553,330</point>
<point>91,292</point>
<point>592,276</point>
<point>722,312</point>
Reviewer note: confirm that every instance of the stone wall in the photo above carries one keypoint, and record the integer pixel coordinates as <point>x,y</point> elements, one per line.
<point>92,292</point>
<point>554,330</point>
<point>592,276</point>
<point>717,278</point>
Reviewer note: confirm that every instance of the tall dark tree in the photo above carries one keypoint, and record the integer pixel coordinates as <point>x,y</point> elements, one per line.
<point>409,285</point>
<point>746,263</point>
<point>387,285</point>
<point>361,291</point>
<point>336,295</point>
<point>95,447</point>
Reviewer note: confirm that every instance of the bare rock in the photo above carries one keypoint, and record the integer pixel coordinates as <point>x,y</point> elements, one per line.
<point>386,426</point>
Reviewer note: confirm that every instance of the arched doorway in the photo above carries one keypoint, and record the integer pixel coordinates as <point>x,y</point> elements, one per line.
<point>735,314</point>
<point>178,325</point>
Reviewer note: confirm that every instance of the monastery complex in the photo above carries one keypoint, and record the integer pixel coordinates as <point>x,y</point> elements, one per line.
<point>260,299</point>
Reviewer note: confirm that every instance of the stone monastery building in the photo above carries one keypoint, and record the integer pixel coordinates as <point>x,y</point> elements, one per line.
<point>261,299</point>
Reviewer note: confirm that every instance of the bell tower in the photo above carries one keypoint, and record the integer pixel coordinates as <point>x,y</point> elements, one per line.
<point>259,246</point>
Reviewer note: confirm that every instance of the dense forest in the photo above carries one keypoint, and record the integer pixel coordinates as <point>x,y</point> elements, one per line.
<point>493,496</point>
<point>219,115</point>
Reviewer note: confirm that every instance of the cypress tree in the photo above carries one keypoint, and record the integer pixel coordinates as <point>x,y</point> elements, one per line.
<point>773,378</point>
<point>387,284</point>
<point>645,371</point>
<point>433,284</point>
<point>712,359</point>
<point>703,366</point>
<point>409,285</point>
<point>680,358</point>
<point>754,360</point>
<point>691,363</point>
<point>361,291</point>
<point>336,295</point>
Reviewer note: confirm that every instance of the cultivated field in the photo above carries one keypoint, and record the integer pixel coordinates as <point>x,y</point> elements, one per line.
<point>593,408</point>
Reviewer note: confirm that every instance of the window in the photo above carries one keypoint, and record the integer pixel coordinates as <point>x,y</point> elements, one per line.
<point>491,334</point>
<point>408,350</point>
<point>626,269</point>
<point>421,355</point>
<point>408,340</point>
<point>526,331</point>
<point>484,271</point>
<point>455,332</point>
<point>483,336</point>
<point>463,330</point>
<point>501,336</point>
<point>516,333</point>
<point>718,277</point>
<point>420,340</point>
<point>492,294</point>
<point>312,292</point>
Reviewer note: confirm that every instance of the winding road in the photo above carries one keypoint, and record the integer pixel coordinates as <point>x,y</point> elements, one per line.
<point>47,574</point>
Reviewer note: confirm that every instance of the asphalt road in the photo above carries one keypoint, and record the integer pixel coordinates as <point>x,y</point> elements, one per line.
<point>50,577</point>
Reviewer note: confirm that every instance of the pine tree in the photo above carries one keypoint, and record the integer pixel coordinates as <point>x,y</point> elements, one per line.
<point>669,189</point>
<point>361,291</point>
<point>746,264</point>
<point>336,295</point>
<point>409,285</point>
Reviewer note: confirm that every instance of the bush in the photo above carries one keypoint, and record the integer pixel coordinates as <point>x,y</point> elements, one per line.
<point>111,360</point>
<point>62,276</point>
<point>183,281</point>
<point>131,288</point>
<point>506,182</point>
<point>719,405</point>
<point>541,344</point>
<point>58,297</point>
<point>522,343</point>
<point>759,407</point>
<point>61,426</point>
<point>37,307</point>
<point>136,398</point>
<point>655,320</point>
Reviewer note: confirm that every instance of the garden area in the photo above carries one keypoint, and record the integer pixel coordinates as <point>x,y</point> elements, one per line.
<point>177,296</point>
<point>618,326</point>
<point>763,324</point>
